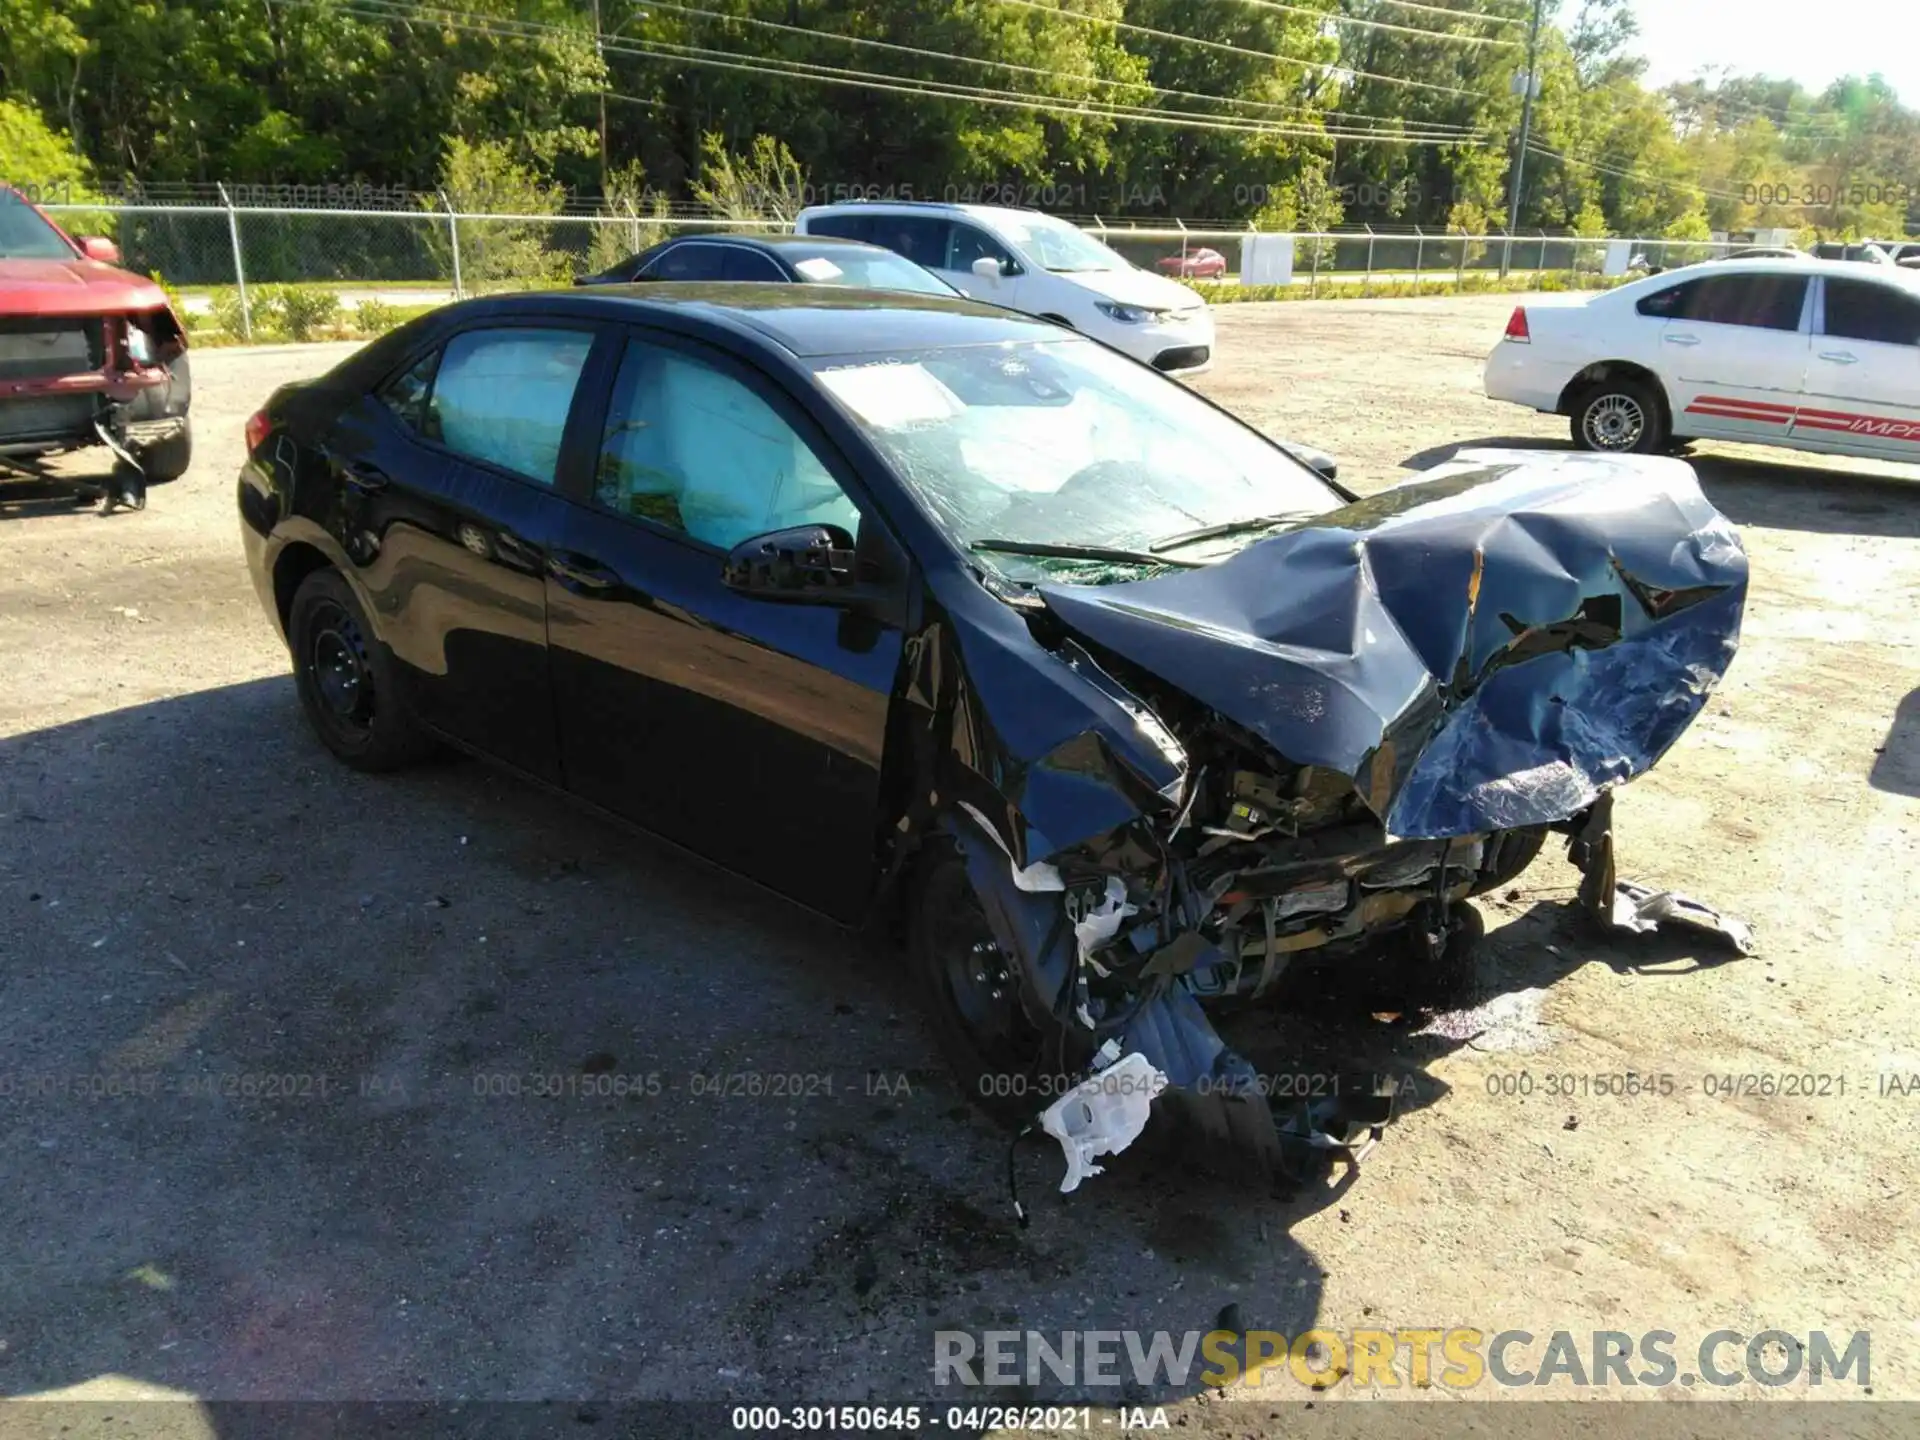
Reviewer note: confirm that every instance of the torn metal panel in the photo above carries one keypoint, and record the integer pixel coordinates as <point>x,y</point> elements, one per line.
<point>1474,652</point>
<point>1623,905</point>
<point>1042,738</point>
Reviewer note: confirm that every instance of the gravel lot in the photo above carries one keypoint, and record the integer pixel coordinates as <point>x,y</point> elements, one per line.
<point>191,890</point>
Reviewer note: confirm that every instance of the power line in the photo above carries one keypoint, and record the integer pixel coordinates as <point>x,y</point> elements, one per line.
<point>1435,128</point>
<point>1813,126</point>
<point>1486,16</point>
<point>1342,18</point>
<point>1625,174</point>
<point>1222,45</point>
<point>402,10</point>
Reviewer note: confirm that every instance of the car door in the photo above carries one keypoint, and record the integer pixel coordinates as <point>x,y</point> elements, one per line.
<point>1863,381</point>
<point>748,729</point>
<point>1733,352</point>
<point>449,471</point>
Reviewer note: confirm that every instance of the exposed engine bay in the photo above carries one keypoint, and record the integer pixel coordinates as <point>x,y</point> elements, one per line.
<point>1327,743</point>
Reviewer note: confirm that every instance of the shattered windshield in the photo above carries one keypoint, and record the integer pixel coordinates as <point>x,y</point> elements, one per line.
<point>1062,460</point>
<point>24,235</point>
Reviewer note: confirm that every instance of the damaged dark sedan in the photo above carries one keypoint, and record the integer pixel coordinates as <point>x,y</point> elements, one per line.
<point>926,612</point>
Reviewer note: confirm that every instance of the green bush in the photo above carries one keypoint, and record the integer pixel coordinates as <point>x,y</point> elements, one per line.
<point>374,316</point>
<point>227,311</point>
<point>304,311</point>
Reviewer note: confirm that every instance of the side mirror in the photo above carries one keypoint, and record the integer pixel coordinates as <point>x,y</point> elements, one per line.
<point>807,562</point>
<point>98,247</point>
<point>1318,461</point>
<point>987,268</point>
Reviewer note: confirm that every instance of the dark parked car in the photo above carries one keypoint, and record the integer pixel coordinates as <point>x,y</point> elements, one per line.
<point>89,354</point>
<point>909,607</point>
<point>794,259</point>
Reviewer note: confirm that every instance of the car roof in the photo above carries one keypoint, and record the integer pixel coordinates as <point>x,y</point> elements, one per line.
<point>812,244</point>
<point>806,320</point>
<point>1768,265</point>
<point>1005,214</point>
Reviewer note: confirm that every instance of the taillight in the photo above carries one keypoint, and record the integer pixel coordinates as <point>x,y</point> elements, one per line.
<point>257,427</point>
<point>1517,325</point>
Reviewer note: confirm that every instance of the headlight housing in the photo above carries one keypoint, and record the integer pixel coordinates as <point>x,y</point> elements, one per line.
<point>1128,314</point>
<point>139,344</point>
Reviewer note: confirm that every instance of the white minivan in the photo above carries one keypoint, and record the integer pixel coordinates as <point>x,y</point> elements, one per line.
<point>1038,265</point>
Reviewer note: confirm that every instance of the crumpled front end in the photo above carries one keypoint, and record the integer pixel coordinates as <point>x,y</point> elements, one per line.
<point>70,380</point>
<point>1334,736</point>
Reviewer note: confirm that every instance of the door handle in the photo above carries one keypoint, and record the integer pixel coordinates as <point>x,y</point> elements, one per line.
<point>1840,357</point>
<point>357,475</point>
<point>578,570</point>
<point>1681,339</point>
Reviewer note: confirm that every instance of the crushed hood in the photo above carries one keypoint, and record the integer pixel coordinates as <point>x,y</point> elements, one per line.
<point>1484,648</point>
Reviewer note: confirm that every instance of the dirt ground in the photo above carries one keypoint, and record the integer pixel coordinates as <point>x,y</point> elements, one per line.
<point>192,891</point>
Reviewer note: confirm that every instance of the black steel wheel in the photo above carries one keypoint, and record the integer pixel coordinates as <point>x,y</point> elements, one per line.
<point>1008,1053</point>
<point>345,678</point>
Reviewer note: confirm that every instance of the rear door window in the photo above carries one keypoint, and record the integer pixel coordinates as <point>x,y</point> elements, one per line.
<point>503,396</point>
<point>1861,310</point>
<point>847,227</point>
<point>1761,302</point>
<point>921,238</point>
<point>744,264</point>
<point>689,262</point>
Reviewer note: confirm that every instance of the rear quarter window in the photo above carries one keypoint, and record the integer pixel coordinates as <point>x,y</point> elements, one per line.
<point>846,227</point>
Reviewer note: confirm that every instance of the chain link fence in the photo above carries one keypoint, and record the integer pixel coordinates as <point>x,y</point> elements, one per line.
<point>232,264</point>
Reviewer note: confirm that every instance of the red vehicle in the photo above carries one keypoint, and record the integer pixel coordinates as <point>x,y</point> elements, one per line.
<point>89,355</point>
<point>1201,264</point>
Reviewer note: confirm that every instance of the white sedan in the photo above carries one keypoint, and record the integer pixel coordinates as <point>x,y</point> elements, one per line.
<point>1812,354</point>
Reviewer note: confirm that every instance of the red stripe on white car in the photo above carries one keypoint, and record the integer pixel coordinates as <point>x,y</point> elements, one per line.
<point>1738,414</point>
<point>1838,421</point>
<point>1723,402</point>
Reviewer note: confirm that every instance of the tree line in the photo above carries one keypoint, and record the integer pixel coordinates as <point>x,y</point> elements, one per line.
<point>1306,114</point>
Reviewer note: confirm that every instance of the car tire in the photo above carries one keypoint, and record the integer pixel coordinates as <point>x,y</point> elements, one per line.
<point>168,459</point>
<point>1514,851</point>
<point>346,678</point>
<point>1622,416</point>
<point>1007,1066</point>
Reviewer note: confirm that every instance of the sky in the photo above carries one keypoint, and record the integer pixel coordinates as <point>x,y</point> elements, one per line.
<point>1813,41</point>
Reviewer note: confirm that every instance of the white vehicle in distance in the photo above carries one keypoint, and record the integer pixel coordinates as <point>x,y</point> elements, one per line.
<point>1811,354</point>
<point>1039,265</point>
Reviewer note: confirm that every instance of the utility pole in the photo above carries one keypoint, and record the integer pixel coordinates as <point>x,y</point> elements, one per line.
<point>1518,174</point>
<point>601,55</point>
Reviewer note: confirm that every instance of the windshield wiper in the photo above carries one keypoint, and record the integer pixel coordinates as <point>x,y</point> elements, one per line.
<point>1226,527</point>
<point>1045,551</point>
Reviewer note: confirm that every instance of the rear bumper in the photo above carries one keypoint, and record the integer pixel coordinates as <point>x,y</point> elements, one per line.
<point>1514,374</point>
